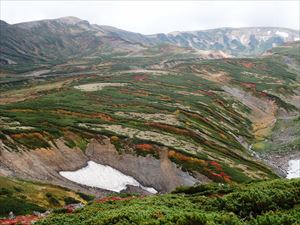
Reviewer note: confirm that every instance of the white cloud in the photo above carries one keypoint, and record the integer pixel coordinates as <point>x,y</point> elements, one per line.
<point>159,16</point>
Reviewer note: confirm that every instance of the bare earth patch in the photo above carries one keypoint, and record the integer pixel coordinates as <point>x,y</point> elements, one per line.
<point>98,86</point>
<point>263,115</point>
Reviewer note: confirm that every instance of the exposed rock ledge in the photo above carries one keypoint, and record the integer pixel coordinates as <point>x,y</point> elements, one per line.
<point>44,165</point>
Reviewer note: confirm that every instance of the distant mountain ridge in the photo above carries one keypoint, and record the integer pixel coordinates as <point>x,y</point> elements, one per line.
<point>69,37</point>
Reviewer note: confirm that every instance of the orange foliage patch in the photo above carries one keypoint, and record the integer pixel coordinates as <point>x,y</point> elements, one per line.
<point>27,135</point>
<point>144,147</point>
<point>181,157</point>
<point>114,138</point>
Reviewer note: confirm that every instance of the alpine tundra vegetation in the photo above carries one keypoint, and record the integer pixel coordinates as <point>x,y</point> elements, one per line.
<point>103,126</point>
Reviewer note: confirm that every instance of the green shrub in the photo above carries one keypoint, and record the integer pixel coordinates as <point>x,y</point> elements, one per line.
<point>17,206</point>
<point>52,200</point>
<point>85,196</point>
<point>70,200</point>
<point>6,191</point>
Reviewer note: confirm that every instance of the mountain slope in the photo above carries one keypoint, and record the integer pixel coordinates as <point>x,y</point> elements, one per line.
<point>235,41</point>
<point>163,114</point>
<point>57,40</point>
<point>69,37</point>
<point>188,121</point>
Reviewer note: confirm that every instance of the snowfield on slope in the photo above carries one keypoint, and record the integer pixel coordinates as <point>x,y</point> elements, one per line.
<point>104,177</point>
<point>294,169</point>
<point>282,34</point>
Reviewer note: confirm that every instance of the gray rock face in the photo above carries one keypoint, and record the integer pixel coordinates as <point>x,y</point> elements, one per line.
<point>45,164</point>
<point>162,174</point>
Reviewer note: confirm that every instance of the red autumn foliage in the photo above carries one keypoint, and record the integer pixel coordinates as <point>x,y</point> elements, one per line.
<point>248,85</point>
<point>216,165</point>
<point>125,91</point>
<point>209,93</point>
<point>226,178</point>
<point>168,128</point>
<point>262,67</point>
<point>101,116</point>
<point>263,94</point>
<point>220,102</point>
<point>140,77</point>
<point>24,220</point>
<point>247,65</point>
<point>69,208</point>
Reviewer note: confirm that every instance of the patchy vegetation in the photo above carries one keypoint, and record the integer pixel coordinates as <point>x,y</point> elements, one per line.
<point>23,197</point>
<point>208,110</point>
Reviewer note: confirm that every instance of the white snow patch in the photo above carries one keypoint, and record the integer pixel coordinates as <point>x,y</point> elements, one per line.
<point>269,32</point>
<point>104,177</point>
<point>175,33</point>
<point>196,40</point>
<point>294,169</point>
<point>282,34</point>
<point>244,40</point>
<point>296,39</point>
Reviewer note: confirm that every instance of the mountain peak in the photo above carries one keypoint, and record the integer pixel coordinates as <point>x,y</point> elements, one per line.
<point>69,20</point>
<point>3,23</point>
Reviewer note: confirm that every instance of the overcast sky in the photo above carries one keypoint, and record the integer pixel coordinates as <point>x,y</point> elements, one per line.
<point>149,17</point>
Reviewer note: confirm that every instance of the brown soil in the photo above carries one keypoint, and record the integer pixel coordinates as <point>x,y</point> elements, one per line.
<point>32,92</point>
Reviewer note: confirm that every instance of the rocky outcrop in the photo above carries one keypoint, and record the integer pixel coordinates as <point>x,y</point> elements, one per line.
<point>162,174</point>
<point>44,165</point>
